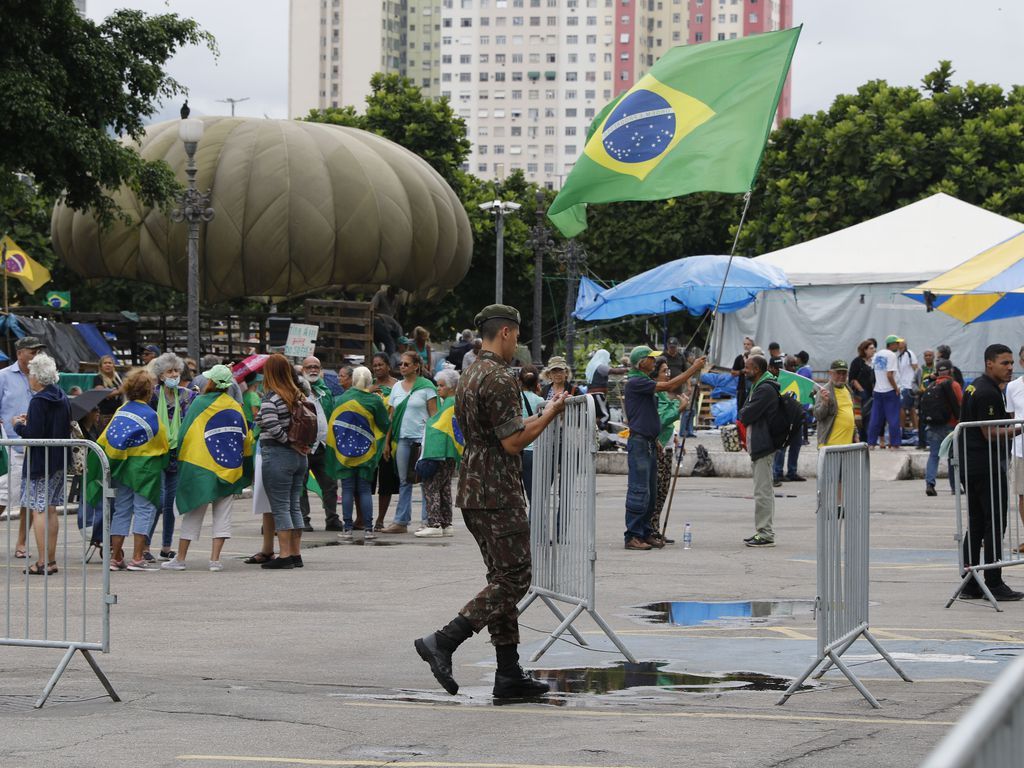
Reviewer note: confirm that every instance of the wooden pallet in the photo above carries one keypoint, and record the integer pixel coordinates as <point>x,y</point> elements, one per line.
<point>346,329</point>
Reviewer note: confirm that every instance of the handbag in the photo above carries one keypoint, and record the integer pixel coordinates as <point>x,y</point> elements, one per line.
<point>411,476</point>
<point>78,452</point>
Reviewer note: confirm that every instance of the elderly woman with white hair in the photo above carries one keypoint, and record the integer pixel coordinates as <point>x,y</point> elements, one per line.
<point>170,402</point>
<point>439,457</point>
<point>43,473</point>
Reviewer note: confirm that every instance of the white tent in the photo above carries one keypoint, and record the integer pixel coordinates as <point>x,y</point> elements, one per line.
<point>848,287</point>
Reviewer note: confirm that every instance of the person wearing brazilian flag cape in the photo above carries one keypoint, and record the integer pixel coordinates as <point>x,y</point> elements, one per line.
<point>135,443</point>
<point>356,431</point>
<point>215,463</point>
<point>443,444</point>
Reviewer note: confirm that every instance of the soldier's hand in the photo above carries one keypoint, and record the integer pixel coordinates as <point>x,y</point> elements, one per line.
<point>557,404</point>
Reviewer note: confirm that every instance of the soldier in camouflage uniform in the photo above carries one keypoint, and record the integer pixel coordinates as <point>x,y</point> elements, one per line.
<point>488,407</point>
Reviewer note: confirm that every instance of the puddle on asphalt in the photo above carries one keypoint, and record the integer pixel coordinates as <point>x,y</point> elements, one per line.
<point>691,613</point>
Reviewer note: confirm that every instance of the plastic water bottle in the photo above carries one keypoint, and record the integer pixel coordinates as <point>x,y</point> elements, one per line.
<point>687,537</point>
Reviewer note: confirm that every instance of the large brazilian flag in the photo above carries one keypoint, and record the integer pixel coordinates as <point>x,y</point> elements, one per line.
<point>216,455</point>
<point>696,122</point>
<point>355,434</point>
<point>136,446</point>
<point>443,438</point>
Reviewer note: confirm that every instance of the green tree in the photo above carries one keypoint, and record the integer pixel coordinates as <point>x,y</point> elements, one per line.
<point>397,110</point>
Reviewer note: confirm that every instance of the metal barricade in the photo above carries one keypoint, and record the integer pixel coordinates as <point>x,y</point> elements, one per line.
<point>984,473</point>
<point>67,605</point>
<point>563,524</point>
<point>991,734</point>
<point>843,540</point>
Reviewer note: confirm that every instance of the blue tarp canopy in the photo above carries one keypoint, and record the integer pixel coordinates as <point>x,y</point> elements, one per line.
<point>692,283</point>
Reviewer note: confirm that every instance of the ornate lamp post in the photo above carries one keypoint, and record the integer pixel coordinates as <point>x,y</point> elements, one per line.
<point>574,258</point>
<point>194,207</point>
<point>540,241</point>
<point>499,208</point>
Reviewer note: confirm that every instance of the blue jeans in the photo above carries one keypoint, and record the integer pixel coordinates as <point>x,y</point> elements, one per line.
<point>794,457</point>
<point>687,426</point>
<point>936,434</point>
<point>284,477</point>
<point>166,511</point>
<point>641,486</point>
<point>403,515</point>
<point>350,486</point>
<point>886,410</point>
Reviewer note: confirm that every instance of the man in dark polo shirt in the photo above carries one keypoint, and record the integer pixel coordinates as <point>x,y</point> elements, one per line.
<point>489,410</point>
<point>642,448</point>
<point>984,452</point>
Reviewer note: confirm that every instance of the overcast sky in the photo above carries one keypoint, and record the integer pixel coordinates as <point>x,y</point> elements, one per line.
<point>844,44</point>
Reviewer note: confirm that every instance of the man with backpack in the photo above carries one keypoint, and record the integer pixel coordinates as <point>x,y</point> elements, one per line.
<point>940,405</point>
<point>758,414</point>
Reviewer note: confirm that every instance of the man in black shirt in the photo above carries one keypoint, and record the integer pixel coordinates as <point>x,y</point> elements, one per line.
<point>984,452</point>
<point>738,366</point>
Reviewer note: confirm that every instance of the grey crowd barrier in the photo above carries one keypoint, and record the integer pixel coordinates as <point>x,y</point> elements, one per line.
<point>843,541</point>
<point>68,609</point>
<point>988,520</point>
<point>991,734</point>
<point>562,522</point>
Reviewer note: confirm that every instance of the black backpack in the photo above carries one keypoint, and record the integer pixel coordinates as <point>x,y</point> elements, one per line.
<point>787,423</point>
<point>936,402</point>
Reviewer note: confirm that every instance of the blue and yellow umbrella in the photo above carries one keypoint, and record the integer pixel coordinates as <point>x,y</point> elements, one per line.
<point>989,286</point>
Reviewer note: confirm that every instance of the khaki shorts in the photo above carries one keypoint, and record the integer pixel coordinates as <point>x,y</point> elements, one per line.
<point>1017,476</point>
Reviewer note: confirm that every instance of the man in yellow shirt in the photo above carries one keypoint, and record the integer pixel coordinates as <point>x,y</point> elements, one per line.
<point>833,408</point>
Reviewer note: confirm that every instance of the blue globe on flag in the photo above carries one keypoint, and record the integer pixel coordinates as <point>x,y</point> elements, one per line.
<point>457,433</point>
<point>353,434</point>
<point>224,436</point>
<point>640,128</point>
<point>132,427</point>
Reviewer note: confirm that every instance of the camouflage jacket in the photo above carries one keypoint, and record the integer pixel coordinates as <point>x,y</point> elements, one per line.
<point>488,406</point>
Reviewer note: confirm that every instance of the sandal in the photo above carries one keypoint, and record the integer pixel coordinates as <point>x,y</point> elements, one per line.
<point>51,568</point>
<point>378,528</point>
<point>36,569</point>
<point>21,554</point>
<point>259,558</point>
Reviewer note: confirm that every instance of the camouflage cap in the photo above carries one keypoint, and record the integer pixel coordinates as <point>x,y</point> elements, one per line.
<point>839,365</point>
<point>496,312</point>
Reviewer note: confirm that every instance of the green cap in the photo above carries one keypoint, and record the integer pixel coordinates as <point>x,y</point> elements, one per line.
<point>639,353</point>
<point>839,365</point>
<point>220,375</point>
<point>495,312</point>
<point>892,339</point>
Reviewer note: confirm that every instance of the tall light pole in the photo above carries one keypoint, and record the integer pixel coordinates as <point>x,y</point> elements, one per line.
<point>499,208</point>
<point>540,241</point>
<point>232,102</point>
<point>574,258</point>
<point>194,207</point>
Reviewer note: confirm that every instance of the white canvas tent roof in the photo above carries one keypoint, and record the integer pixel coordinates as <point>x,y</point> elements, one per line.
<point>911,244</point>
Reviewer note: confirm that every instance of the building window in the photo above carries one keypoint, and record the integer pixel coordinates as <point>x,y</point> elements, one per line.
<point>698,37</point>
<point>721,35</point>
<point>753,18</point>
<point>570,130</point>
<point>570,149</point>
<point>464,22</point>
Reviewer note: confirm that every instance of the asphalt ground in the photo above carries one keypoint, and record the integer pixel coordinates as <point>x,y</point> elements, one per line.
<point>249,667</point>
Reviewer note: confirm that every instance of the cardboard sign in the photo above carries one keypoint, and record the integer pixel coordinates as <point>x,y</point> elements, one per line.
<point>301,340</point>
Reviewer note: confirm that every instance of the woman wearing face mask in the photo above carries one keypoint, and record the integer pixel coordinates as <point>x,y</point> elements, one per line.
<point>171,403</point>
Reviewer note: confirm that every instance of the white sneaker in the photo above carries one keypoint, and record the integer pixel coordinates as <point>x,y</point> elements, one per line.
<point>173,564</point>
<point>428,532</point>
<point>369,536</point>
<point>216,565</point>
<point>449,530</point>
<point>345,535</point>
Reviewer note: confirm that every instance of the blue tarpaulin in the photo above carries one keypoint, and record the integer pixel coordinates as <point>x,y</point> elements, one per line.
<point>94,338</point>
<point>722,384</point>
<point>692,283</point>
<point>723,412</point>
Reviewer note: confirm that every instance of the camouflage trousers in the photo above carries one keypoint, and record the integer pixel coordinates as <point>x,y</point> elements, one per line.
<point>664,477</point>
<point>503,536</point>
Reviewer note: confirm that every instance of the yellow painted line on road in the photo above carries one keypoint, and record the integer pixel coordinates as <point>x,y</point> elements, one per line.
<point>647,714</point>
<point>790,633</point>
<point>395,762</point>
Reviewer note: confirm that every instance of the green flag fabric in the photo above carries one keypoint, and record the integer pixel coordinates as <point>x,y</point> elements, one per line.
<point>696,122</point>
<point>216,456</point>
<point>136,446</point>
<point>799,386</point>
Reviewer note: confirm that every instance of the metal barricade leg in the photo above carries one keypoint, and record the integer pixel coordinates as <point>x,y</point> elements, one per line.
<point>599,620</point>
<point>561,617</point>
<point>99,673</point>
<point>853,679</point>
<point>557,631</point>
<point>885,655</point>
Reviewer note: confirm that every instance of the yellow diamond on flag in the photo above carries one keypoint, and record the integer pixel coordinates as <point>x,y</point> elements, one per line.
<point>644,127</point>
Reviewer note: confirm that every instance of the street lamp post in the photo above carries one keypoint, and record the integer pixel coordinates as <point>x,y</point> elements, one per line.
<point>194,207</point>
<point>541,242</point>
<point>499,208</point>
<point>574,258</point>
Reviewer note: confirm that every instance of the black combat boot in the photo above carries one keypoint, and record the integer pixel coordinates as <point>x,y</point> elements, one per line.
<point>436,649</point>
<point>511,681</point>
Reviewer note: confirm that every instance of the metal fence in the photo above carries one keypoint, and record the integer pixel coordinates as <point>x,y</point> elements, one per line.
<point>991,734</point>
<point>49,526</point>
<point>562,522</point>
<point>987,482</point>
<point>843,540</point>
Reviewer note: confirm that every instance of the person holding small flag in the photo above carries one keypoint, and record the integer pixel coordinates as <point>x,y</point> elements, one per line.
<point>135,442</point>
<point>215,462</point>
<point>356,431</point>
<point>833,408</point>
<point>443,444</point>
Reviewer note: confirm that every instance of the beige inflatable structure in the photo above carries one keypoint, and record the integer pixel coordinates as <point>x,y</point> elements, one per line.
<point>299,207</point>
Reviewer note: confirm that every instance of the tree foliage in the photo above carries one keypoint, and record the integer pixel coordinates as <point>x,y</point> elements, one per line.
<point>72,87</point>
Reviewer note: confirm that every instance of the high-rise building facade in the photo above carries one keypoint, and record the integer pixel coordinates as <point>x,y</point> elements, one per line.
<point>335,46</point>
<point>527,76</point>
